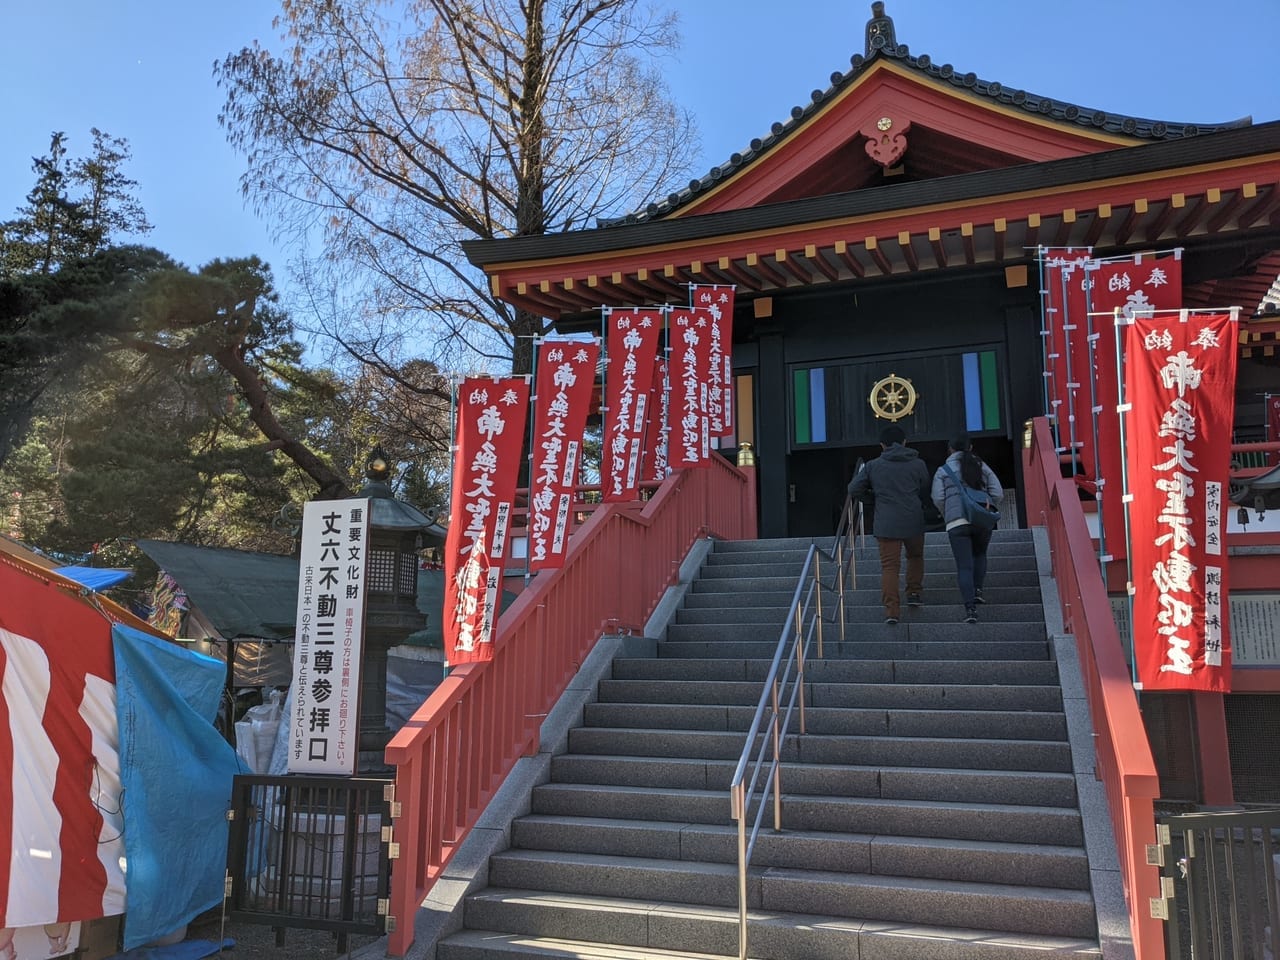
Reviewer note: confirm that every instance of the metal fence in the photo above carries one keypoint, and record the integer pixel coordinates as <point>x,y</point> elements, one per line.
<point>1221,896</point>
<point>310,852</point>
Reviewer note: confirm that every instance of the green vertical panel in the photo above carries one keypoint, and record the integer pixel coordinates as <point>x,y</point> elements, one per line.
<point>990,391</point>
<point>800,397</point>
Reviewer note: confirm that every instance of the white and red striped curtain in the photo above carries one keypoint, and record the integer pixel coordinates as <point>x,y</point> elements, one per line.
<point>61,822</point>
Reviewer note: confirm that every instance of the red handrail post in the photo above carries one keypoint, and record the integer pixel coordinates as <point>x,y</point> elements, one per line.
<point>1148,931</point>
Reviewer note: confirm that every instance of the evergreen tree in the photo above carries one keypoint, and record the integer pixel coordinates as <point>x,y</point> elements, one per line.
<point>109,208</point>
<point>76,208</point>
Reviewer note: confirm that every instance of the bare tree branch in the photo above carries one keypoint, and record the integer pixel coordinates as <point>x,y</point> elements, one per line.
<point>392,130</point>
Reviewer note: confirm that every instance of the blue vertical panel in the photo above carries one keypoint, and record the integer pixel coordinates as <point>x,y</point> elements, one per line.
<point>972,393</point>
<point>818,404</point>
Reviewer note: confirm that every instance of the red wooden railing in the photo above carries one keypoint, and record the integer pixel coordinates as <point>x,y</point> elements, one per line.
<point>1124,761</point>
<point>453,754</point>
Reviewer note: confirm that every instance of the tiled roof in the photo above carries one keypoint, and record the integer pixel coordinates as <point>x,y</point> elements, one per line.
<point>883,49</point>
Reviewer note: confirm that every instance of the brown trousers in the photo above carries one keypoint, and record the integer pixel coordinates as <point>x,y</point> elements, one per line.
<point>891,566</point>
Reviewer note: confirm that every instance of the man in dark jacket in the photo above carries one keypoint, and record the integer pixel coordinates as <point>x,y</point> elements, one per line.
<point>899,482</point>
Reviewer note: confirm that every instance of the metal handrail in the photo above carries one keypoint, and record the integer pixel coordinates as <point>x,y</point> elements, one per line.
<point>769,726</point>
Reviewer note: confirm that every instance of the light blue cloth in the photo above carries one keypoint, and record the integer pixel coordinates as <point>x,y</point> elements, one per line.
<point>176,771</point>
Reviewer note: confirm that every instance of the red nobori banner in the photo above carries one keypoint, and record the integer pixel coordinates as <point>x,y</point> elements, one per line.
<point>1180,373</point>
<point>566,373</point>
<point>691,376</point>
<point>1135,287</point>
<point>719,304</point>
<point>658,428</point>
<point>632,346</point>
<point>1065,309</point>
<point>490,433</point>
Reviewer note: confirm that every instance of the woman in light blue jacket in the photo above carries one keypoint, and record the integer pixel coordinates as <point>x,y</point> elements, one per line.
<point>968,544</point>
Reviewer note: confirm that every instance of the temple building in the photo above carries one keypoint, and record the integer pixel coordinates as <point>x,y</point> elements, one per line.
<point>884,244</point>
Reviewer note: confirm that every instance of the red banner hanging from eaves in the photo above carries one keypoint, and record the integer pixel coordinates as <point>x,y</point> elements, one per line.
<point>1135,287</point>
<point>691,376</point>
<point>1180,397</point>
<point>564,379</point>
<point>492,414</point>
<point>718,302</point>
<point>631,347</point>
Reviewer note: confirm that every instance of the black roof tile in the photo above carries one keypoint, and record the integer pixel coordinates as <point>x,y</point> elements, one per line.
<point>1060,110</point>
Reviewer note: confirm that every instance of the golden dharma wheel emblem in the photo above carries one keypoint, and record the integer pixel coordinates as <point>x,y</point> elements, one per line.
<point>893,398</point>
<point>884,123</point>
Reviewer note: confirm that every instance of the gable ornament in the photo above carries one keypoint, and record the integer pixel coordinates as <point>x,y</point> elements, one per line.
<point>886,140</point>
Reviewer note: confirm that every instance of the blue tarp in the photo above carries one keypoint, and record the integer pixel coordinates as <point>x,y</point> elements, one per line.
<point>176,771</point>
<point>95,578</point>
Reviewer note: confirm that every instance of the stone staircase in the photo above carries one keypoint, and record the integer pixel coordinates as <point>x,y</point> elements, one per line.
<point>929,811</point>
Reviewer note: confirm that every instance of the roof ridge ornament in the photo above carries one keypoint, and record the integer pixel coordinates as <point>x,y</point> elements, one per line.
<point>880,35</point>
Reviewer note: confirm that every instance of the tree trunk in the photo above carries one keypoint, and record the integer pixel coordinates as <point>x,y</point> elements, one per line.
<point>332,486</point>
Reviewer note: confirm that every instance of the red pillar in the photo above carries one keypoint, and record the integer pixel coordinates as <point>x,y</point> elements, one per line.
<point>1212,749</point>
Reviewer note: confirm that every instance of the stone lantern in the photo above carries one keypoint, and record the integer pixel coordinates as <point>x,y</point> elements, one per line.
<point>397,531</point>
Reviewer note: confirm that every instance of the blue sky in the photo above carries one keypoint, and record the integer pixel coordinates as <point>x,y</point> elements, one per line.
<point>142,70</point>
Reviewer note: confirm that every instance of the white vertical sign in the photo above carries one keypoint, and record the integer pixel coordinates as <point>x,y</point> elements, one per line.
<point>329,637</point>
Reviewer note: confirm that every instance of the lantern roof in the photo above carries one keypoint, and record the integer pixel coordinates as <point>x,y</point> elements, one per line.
<point>388,513</point>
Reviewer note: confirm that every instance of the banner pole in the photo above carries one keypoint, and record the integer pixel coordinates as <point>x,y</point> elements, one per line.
<point>664,437</point>
<point>1126,497</point>
<point>1124,257</point>
<point>533,409</point>
<point>1045,338</point>
<point>1099,483</point>
<point>454,384</point>
<point>446,567</point>
<point>1068,389</point>
<point>605,313</point>
<point>666,413</point>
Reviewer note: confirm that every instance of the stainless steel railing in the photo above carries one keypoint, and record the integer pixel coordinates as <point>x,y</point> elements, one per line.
<point>757,778</point>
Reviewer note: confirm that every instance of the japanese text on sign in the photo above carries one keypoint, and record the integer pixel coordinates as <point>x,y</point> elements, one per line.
<point>329,637</point>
